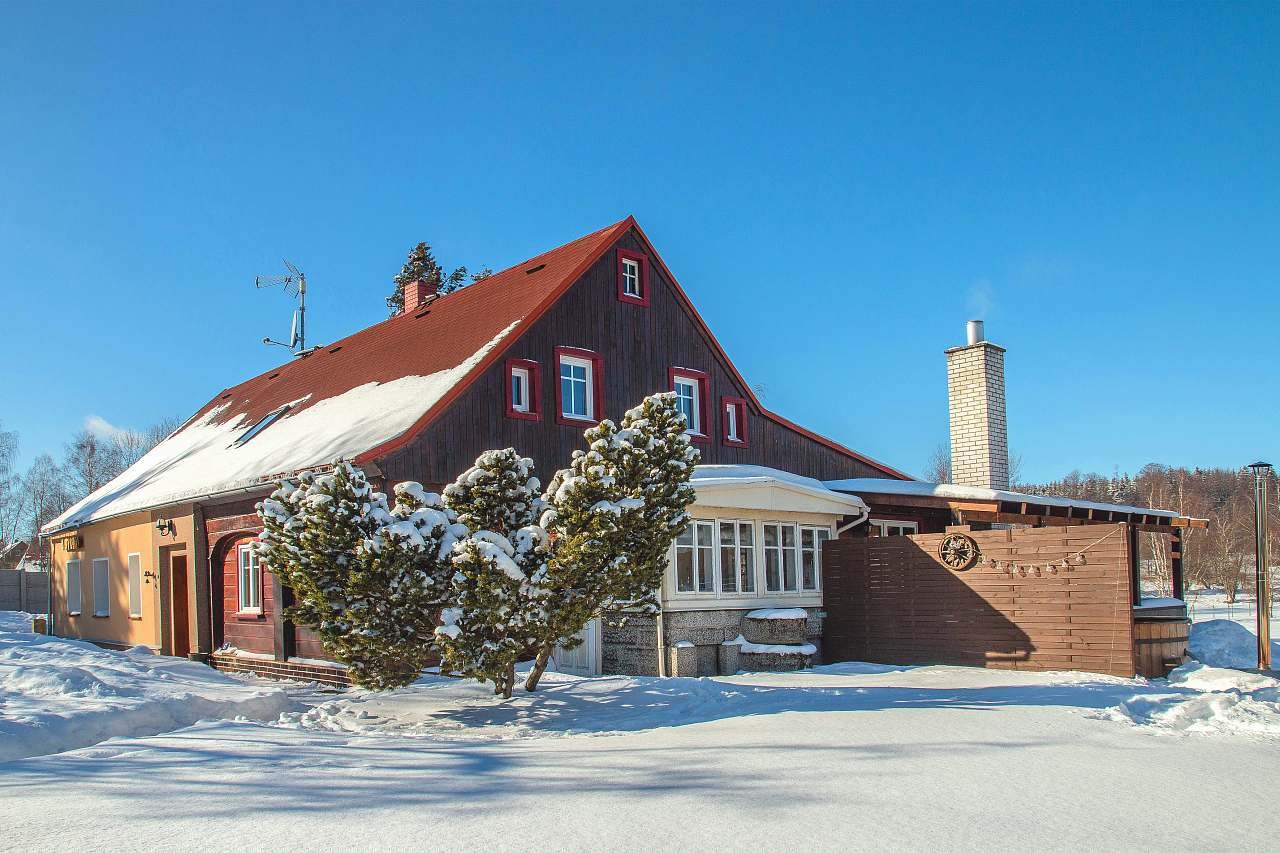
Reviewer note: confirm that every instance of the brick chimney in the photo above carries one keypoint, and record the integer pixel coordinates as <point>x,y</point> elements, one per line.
<point>417,293</point>
<point>975,399</point>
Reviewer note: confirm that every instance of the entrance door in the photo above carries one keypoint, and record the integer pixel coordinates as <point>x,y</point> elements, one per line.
<point>583,659</point>
<point>180,624</point>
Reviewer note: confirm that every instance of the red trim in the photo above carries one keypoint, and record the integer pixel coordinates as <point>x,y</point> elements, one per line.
<point>623,296</point>
<point>535,389</point>
<point>703,435</point>
<point>551,299</point>
<point>742,383</point>
<point>597,387</point>
<point>740,407</point>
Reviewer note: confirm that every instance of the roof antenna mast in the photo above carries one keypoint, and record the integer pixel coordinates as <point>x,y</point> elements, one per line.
<point>294,284</point>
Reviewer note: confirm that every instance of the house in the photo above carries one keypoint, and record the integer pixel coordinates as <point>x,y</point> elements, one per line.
<point>526,358</point>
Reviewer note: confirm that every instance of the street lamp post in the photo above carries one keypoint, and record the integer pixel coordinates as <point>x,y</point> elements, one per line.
<point>1260,472</point>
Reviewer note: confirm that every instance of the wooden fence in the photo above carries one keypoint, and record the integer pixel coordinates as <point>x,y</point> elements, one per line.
<point>892,600</point>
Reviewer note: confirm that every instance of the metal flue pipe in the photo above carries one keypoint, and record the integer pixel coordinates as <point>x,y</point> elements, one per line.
<point>1260,472</point>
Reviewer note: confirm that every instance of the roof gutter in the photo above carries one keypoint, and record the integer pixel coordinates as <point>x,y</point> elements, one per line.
<point>193,499</point>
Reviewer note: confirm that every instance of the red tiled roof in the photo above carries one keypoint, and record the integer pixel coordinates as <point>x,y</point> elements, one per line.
<point>445,333</point>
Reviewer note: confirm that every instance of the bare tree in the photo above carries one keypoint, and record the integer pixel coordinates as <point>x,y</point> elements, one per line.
<point>938,469</point>
<point>45,487</point>
<point>90,462</point>
<point>11,498</point>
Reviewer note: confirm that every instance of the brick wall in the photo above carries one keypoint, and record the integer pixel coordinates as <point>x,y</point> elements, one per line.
<point>975,398</point>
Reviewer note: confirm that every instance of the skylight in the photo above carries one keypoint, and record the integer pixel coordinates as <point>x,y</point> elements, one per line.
<point>267,420</point>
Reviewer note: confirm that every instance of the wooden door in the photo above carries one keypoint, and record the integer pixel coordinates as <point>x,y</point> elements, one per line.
<point>180,624</point>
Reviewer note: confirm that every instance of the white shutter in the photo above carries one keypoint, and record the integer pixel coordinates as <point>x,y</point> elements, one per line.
<point>101,594</point>
<point>74,601</point>
<point>135,584</point>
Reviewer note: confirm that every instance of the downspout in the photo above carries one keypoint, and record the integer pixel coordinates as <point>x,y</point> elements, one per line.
<point>662,640</point>
<point>866,513</point>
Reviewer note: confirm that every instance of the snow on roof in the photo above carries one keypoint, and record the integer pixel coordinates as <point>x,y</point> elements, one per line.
<point>916,488</point>
<point>741,475</point>
<point>203,457</point>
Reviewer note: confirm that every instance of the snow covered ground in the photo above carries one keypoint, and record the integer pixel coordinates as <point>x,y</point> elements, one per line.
<point>846,756</point>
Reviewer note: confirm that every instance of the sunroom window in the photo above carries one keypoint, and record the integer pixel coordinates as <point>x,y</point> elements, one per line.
<point>695,556</point>
<point>737,557</point>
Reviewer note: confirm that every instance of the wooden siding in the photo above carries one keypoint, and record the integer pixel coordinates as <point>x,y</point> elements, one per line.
<point>638,346</point>
<point>891,600</point>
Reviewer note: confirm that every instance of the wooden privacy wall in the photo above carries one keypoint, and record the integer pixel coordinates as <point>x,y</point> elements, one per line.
<point>891,600</point>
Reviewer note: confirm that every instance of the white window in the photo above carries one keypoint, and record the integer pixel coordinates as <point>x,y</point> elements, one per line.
<point>811,539</point>
<point>250,581</point>
<point>695,557</point>
<point>575,388</point>
<point>135,585</point>
<point>520,389</point>
<point>631,278</point>
<point>731,422</point>
<point>101,592</point>
<point>74,600</point>
<point>688,402</point>
<point>877,527</point>
<point>780,558</point>
<point>737,557</point>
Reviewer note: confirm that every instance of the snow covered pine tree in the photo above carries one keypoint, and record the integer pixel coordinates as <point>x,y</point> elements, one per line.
<point>366,577</point>
<point>498,608</point>
<point>612,515</point>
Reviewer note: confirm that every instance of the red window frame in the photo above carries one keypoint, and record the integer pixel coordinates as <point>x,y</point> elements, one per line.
<point>597,387</point>
<point>535,389</point>
<point>740,406</point>
<point>704,395</point>
<point>623,296</point>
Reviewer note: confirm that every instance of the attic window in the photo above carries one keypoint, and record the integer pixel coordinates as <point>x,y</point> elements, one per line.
<point>633,277</point>
<point>335,349</point>
<point>532,270</point>
<point>274,375</point>
<point>424,312</point>
<point>267,420</point>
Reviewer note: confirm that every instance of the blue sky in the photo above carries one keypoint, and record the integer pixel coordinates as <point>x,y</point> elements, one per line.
<point>838,187</point>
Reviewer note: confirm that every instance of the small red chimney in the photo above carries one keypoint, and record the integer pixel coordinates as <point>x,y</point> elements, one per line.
<point>416,293</point>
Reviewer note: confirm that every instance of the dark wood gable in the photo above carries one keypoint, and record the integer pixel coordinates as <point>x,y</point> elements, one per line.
<point>638,345</point>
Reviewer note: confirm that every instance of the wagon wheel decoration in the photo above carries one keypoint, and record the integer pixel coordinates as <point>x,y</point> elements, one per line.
<point>958,552</point>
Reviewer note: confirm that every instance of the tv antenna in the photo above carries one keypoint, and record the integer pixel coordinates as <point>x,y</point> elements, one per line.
<point>294,284</point>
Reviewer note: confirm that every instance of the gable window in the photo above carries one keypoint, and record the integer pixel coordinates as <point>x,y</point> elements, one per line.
<point>780,558</point>
<point>101,592</point>
<point>523,389</point>
<point>135,586</point>
<point>633,277</point>
<point>733,414</point>
<point>578,389</point>
<point>737,557</point>
<point>879,527</point>
<point>690,387</point>
<point>74,600</point>
<point>250,581</point>
<point>695,555</point>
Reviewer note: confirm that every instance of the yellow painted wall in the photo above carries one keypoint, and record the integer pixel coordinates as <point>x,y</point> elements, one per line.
<point>115,539</point>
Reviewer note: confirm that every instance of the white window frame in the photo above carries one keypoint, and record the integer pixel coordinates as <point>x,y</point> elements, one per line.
<point>631,285</point>
<point>694,383</point>
<point>700,572</point>
<point>904,528</point>
<point>134,562</point>
<point>782,550</point>
<point>820,534</point>
<point>520,376</point>
<point>731,421</point>
<point>75,602</point>
<point>738,550</point>
<point>253,570</point>
<point>588,396</point>
<point>101,585</point>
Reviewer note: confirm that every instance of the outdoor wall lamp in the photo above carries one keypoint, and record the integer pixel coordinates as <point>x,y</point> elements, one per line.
<point>165,526</point>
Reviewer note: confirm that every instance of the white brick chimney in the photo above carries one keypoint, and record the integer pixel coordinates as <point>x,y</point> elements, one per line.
<point>975,398</point>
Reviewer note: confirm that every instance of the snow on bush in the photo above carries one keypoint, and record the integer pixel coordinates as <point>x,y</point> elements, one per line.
<point>58,694</point>
<point>367,577</point>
